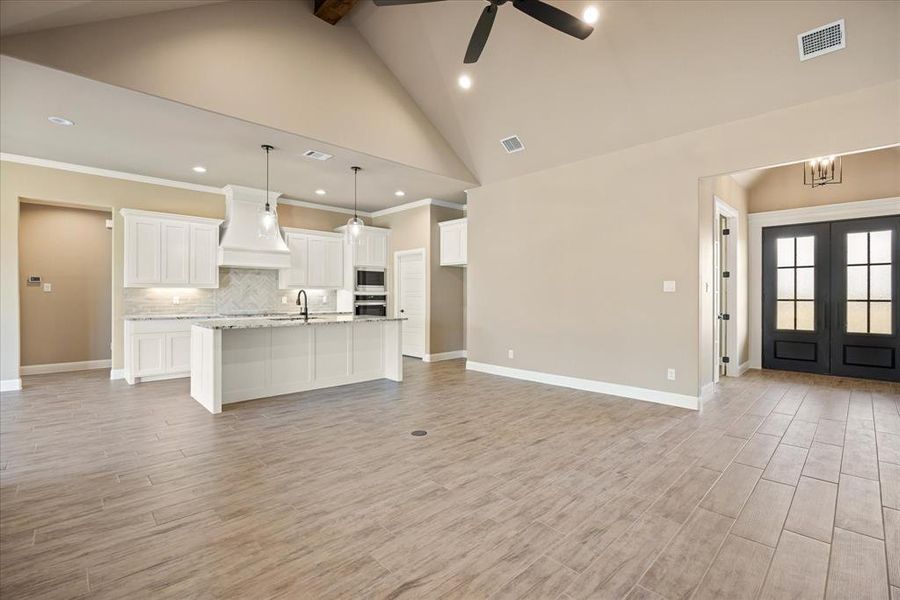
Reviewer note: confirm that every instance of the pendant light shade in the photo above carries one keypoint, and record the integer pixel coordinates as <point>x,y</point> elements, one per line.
<point>266,217</point>
<point>354,225</point>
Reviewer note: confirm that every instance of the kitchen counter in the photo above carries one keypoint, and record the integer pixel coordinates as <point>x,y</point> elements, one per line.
<point>235,315</point>
<point>244,358</point>
<point>288,321</point>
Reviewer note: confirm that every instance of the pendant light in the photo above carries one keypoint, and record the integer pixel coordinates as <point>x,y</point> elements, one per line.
<point>354,225</point>
<point>268,219</point>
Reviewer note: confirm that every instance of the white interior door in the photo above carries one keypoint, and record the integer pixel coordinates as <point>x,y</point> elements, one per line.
<point>411,301</point>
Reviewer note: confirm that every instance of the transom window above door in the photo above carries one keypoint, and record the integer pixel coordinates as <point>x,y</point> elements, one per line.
<point>795,258</point>
<point>869,282</point>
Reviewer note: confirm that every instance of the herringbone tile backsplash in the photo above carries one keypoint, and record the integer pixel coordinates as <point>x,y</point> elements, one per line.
<point>239,290</point>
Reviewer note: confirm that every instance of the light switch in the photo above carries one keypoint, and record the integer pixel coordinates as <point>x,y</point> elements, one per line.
<point>48,287</point>
<point>668,286</point>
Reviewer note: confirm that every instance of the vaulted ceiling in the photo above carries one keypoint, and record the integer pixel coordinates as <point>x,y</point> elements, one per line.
<point>383,81</point>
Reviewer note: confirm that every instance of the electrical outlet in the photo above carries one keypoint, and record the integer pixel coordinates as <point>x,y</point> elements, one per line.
<point>511,353</point>
<point>669,286</point>
<point>48,287</point>
<point>324,299</point>
<point>284,299</point>
<point>176,300</point>
<point>671,374</point>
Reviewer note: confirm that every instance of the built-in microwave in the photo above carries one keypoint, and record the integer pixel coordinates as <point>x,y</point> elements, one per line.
<point>369,280</point>
<point>370,306</point>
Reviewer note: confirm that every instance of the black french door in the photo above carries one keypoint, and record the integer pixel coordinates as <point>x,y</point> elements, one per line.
<point>830,298</point>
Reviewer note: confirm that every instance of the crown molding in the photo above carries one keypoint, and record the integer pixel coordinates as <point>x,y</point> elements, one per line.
<point>335,209</point>
<point>417,204</point>
<point>63,166</point>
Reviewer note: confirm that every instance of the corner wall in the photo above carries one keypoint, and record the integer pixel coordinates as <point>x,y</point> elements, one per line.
<point>566,265</point>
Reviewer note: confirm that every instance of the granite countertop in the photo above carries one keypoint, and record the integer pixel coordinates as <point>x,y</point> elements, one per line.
<point>293,321</point>
<point>229,316</point>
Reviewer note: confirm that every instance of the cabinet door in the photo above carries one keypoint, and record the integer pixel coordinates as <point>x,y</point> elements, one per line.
<point>360,247</point>
<point>452,245</point>
<point>298,275</point>
<point>178,352</point>
<point>464,243</point>
<point>142,252</point>
<point>148,354</point>
<point>316,262</point>
<point>176,248</point>
<point>203,260</point>
<point>377,244</point>
<point>334,263</point>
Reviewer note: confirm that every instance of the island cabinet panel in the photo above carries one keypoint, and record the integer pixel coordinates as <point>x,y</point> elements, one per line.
<point>243,363</point>
<point>292,357</point>
<point>368,351</point>
<point>333,352</point>
<point>157,349</point>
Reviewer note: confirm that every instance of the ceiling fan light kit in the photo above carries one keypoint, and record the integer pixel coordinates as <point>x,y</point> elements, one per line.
<point>536,9</point>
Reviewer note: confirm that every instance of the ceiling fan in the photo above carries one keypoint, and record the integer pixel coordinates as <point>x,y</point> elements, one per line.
<point>543,12</point>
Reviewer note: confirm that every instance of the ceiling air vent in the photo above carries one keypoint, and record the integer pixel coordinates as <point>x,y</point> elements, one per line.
<point>316,155</point>
<point>822,40</point>
<point>512,144</point>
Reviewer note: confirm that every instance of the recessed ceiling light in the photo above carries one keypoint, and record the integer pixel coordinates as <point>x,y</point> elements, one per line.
<point>320,192</point>
<point>399,193</point>
<point>464,81</point>
<point>199,169</point>
<point>60,121</point>
<point>590,14</point>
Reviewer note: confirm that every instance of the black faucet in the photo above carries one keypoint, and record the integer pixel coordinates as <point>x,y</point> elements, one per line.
<point>305,304</point>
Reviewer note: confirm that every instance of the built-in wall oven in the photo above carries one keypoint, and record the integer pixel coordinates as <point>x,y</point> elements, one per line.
<point>370,305</point>
<point>369,280</point>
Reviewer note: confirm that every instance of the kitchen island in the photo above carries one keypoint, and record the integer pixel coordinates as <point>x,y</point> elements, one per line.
<point>233,360</point>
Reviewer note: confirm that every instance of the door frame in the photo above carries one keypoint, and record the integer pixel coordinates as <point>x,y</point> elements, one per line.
<point>731,214</point>
<point>395,289</point>
<point>882,207</point>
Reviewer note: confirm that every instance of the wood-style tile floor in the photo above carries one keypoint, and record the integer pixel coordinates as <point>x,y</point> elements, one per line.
<point>783,486</point>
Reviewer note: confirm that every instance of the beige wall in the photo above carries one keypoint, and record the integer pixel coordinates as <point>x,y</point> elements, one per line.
<point>304,217</point>
<point>729,191</point>
<point>71,249</point>
<point>444,286</point>
<point>19,181</point>
<point>866,176</point>
<point>599,237</point>
<point>319,81</point>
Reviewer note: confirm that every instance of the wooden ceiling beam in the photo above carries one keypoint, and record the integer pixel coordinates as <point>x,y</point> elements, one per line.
<point>333,11</point>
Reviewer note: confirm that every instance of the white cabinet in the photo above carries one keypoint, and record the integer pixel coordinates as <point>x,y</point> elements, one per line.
<point>157,349</point>
<point>454,242</point>
<point>317,260</point>
<point>370,248</point>
<point>167,250</point>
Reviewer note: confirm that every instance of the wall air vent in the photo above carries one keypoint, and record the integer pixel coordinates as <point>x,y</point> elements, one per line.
<point>822,40</point>
<point>512,144</point>
<point>316,155</point>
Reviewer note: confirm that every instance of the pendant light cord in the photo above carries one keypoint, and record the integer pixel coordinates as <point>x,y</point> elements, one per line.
<point>355,178</point>
<point>267,148</point>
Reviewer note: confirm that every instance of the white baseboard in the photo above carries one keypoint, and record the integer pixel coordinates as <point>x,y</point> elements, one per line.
<point>84,365</point>
<point>707,390</point>
<point>444,356</point>
<point>743,368</point>
<point>116,374</point>
<point>590,385</point>
<point>10,385</point>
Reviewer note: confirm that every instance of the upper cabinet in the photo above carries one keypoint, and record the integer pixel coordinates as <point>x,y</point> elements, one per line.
<point>370,249</point>
<point>166,250</point>
<point>317,260</point>
<point>454,242</point>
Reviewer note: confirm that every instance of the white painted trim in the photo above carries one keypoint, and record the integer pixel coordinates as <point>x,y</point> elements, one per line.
<point>444,356</point>
<point>10,385</point>
<point>325,207</point>
<point>134,212</point>
<point>63,166</point>
<point>590,385</point>
<point>116,374</point>
<point>417,204</point>
<point>443,224</point>
<point>795,216</point>
<point>66,367</point>
<point>396,290</point>
<point>707,390</point>
<point>743,368</point>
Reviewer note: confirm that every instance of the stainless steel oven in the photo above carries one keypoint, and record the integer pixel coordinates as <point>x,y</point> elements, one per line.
<point>366,305</point>
<point>369,280</point>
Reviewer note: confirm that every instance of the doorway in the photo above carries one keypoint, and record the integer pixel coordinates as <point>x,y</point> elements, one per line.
<point>829,298</point>
<point>410,302</point>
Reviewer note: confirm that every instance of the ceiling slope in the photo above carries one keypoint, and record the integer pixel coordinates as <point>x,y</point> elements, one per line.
<point>650,70</point>
<point>273,63</point>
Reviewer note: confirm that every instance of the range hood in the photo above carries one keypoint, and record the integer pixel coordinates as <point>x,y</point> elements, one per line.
<point>240,245</point>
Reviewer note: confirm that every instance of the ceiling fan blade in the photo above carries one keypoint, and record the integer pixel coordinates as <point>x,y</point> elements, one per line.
<point>401,2</point>
<point>554,17</point>
<point>480,34</point>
